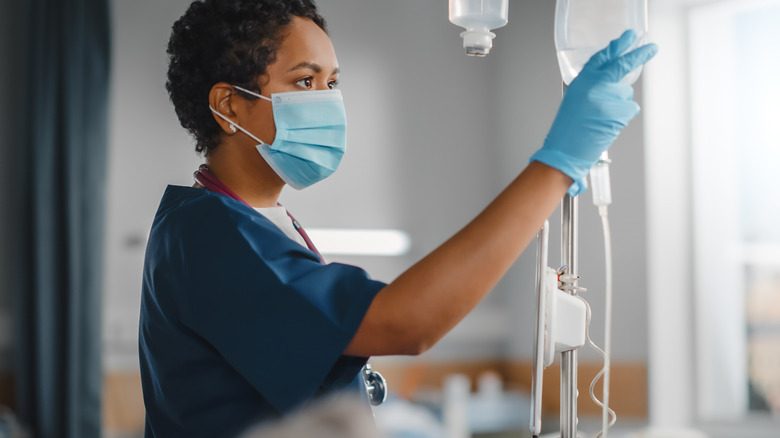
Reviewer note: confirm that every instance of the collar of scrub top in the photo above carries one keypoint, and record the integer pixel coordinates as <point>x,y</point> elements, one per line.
<point>210,182</point>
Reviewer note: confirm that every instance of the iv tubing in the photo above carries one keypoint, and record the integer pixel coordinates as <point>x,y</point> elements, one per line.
<point>602,198</point>
<point>607,412</point>
<point>592,387</point>
<point>607,319</point>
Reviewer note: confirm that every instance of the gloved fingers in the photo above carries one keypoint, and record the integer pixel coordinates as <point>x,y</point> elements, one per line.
<point>597,120</point>
<point>619,91</point>
<point>601,91</point>
<point>627,63</point>
<point>591,98</point>
<point>612,51</point>
<point>618,113</point>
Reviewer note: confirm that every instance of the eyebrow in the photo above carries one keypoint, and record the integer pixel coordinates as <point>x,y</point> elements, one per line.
<point>312,66</point>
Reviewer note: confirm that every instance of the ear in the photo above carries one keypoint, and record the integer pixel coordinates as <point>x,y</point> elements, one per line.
<point>220,98</point>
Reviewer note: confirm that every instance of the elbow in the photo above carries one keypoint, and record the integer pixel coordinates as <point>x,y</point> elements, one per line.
<point>415,342</point>
<point>416,347</point>
<point>414,335</point>
<point>423,347</point>
<point>390,338</point>
<point>389,329</point>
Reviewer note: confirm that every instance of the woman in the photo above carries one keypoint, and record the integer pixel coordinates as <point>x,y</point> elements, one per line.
<point>241,321</point>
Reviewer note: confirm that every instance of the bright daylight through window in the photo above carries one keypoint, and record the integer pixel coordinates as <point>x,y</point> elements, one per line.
<point>736,156</point>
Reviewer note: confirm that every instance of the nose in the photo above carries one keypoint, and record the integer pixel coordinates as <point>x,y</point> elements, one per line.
<point>322,84</point>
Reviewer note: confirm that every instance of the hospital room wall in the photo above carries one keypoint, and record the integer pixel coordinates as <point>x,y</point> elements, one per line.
<point>419,146</point>
<point>401,110</point>
<point>433,136</point>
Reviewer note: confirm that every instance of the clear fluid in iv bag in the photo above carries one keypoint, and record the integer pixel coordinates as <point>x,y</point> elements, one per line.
<point>571,62</point>
<point>583,27</point>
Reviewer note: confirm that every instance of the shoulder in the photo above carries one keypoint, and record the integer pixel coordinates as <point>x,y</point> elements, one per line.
<point>199,221</point>
<point>197,211</point>
<point>194,204</point>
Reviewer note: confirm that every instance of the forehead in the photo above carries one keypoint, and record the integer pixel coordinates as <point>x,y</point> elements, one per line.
<point>304,41</point>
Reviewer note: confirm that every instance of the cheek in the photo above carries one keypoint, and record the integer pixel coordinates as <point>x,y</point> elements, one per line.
<point>261,123</point>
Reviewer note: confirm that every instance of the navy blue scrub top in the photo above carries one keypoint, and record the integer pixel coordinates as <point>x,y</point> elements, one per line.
<point>239,323</point>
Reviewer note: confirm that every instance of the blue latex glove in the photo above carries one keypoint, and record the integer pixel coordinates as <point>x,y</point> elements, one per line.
<point>595,107</point>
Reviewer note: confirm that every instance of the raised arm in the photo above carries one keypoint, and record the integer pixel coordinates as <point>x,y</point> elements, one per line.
<point>413,312</point>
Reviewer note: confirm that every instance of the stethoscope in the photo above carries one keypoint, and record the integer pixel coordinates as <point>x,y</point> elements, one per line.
<point>375,383</point>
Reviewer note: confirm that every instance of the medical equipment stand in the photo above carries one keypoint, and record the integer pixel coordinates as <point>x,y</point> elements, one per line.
<point>569,228</point>
<point>567,282</point>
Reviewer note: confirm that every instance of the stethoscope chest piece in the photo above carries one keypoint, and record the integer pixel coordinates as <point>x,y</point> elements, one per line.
<point>376,386</point>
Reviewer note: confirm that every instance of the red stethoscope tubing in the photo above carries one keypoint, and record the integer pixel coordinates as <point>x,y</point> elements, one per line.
<point>210,182</point>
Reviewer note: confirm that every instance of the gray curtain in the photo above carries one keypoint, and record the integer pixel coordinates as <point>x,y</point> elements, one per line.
<point>61,162</point>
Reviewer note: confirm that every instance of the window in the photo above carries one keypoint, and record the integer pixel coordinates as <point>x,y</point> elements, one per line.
<point>735,160</point>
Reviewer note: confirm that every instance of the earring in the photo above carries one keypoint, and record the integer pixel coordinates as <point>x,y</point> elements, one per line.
<point>233,128</point>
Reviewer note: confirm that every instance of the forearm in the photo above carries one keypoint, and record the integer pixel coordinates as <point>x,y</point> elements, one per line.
<point>430,298</point>
<point>425,302</point>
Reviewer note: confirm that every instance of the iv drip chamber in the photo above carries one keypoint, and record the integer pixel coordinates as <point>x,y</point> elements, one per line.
<point>583,27</point>
<point>479,17</point>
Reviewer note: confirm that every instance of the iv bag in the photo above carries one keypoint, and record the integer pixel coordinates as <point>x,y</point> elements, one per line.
<point>583,27</point>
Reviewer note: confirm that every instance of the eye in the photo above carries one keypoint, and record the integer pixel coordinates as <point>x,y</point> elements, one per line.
<point>333,84</point>
<point>304,83</point>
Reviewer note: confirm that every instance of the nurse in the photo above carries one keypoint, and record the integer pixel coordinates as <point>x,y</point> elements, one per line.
<point>241,321</point>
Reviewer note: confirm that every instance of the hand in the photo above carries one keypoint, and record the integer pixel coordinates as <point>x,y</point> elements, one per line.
<point>594,109</point>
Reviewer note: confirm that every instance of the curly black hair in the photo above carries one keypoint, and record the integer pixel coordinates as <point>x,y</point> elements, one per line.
<point>229,41</point>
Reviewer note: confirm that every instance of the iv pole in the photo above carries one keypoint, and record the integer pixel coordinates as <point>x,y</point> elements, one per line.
<point>633,15</point>
<point>567,282</point>
<point>569,255</point>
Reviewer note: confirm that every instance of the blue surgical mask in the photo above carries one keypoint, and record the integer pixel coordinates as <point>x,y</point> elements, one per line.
<point>311,135</point>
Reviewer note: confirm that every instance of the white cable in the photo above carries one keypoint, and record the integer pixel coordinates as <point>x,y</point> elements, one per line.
<point>602,198</point>
<point>607,316</point>
<point>591,390</point>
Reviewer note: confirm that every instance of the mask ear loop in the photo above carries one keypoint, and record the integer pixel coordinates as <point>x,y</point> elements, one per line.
<point>235,125</point>
<point>262,148</point>
<point>252,93</point>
